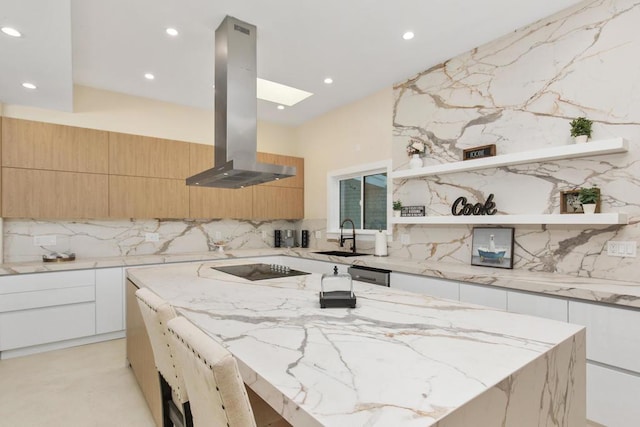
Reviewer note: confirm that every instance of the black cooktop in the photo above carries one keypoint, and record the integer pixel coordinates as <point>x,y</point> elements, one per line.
<point>259,271</point>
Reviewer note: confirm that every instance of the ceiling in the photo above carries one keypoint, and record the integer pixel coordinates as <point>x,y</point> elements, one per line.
<point>358,43</point>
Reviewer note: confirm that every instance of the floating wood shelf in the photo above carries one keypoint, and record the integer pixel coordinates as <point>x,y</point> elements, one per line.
<point>592,148</point>
<point>570,219</point>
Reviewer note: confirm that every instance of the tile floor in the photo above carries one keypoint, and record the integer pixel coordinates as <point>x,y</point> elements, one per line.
<point>86,386</point>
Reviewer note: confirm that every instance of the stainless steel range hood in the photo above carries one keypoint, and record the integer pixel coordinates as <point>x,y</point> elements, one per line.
<point>236,122</point>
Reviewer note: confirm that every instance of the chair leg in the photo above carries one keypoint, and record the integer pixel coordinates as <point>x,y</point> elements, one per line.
<point>188,417</point>
<point>165,393</point>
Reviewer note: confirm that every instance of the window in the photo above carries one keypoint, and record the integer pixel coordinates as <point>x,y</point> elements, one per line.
<point>361,194</point>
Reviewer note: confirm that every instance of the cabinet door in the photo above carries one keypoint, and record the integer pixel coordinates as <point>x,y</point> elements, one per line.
<point>136,155</point>
<point>536,305</point>
<point>38,145</point>
<point>612,396</point>
<point>277,202</point>
<point>136,197</point>
<point>140,355</point>
<point>613,334</point>
<point>31,193</point>
<point>109,297</point>
<point>439,288</point>
<point>482,295</point>
<point>296,181</point>
<point>215,202</point>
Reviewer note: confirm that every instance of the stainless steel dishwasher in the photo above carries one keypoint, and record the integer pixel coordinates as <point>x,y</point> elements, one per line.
<point>377,276</point>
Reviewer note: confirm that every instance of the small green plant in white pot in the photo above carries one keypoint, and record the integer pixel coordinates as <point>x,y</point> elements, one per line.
<point>581,129</point>
<point>397,207</point>
<point>589,197</point>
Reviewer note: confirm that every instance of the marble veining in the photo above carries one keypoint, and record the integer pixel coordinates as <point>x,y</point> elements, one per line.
<point>345,367</point>
<point>520,92</point>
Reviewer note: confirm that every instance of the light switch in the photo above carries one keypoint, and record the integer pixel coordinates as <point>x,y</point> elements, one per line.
<point>405,239</point>
<point>622,249</point>
<point>318,234</point>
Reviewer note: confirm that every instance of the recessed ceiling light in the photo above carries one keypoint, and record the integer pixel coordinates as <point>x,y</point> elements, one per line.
<point>328,80</point>
<point>280,107</point>
<point>28,85</point>
<point>172,31</point>
<point>11,32</point>
<point>408,35</point>
<point>149,76</point>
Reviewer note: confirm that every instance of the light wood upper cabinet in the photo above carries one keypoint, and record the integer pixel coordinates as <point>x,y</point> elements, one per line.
<point>277,202</point>
<point>36,145</point>
<point>200,158</point>
<point>33,193</point>
<point>135,155</point>
<point>278,159</point>
<point>140,197</point>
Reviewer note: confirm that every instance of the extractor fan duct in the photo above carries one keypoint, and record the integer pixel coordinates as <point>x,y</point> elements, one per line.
<point>236,112</point>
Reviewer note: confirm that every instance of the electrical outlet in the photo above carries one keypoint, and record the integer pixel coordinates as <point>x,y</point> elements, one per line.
<point>405,239</point>
<point>622,249</point>
<point>44,240</point>
<point>318,234</point>
<point>218,235</point>
<point>264,234</point>
<point>151,237</point>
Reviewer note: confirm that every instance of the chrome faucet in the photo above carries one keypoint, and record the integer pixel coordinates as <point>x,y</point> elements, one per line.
<point>353,236</point>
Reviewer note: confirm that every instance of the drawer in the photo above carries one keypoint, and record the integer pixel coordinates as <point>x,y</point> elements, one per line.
<point>613,334</point>
<point>46,298</point>
<point>536,305</point>
<point>481,295</point>
<point>48,280</point>
<point>439,288</point>
<point>44,325</point>
<point>612,397</point>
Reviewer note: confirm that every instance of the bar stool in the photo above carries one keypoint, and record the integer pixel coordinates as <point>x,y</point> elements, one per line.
<point>156,312</point>
<point>217,393</point>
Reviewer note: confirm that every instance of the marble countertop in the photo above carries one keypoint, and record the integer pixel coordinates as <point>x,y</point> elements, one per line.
<point>397,359</point>
<point>601,290</point>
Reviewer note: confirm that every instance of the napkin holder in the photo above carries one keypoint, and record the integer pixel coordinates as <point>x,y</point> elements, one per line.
<point>336,290</point>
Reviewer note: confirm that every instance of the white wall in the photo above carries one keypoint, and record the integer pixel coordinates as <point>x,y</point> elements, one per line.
<point>356,133</point>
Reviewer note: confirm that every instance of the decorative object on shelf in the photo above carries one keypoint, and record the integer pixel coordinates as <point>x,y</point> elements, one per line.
<point>413,211</point>
<point>415,149</point>
<point>397,207</point>
<point>479,152</point>
<point>461,207</point>
<point>590,199</point>
<point>570,202</point>
<point>336,290</point>
<point>492,247</point>
<point>581,129</point>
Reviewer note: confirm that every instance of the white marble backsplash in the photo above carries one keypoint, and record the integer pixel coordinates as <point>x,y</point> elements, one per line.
<point>106,238</point>
<point>520,92</point>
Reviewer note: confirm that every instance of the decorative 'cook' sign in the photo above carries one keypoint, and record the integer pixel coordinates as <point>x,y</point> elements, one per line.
<point>461,207</point>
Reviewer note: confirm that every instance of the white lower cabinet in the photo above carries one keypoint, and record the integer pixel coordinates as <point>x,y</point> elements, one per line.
<point>439,288</point>
<point>537,305</point>
<point>613,334</point>
<point>483,295</point>
<point>27,328</point>
<point>109,300</point>
<point>612,397</point>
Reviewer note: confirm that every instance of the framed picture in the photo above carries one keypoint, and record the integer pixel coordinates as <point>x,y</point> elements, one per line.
<point>570,202</point>
<point>492,247</point>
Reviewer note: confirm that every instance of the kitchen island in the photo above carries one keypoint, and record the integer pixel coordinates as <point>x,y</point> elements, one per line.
<point>398,358</point>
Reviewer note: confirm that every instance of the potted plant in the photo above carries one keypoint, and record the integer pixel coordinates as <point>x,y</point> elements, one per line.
<point>397,207</point>
<point>581,129</point>
<point>589,198</point>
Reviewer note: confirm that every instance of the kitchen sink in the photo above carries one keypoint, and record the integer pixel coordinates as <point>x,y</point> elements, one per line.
<point>340,253</point>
